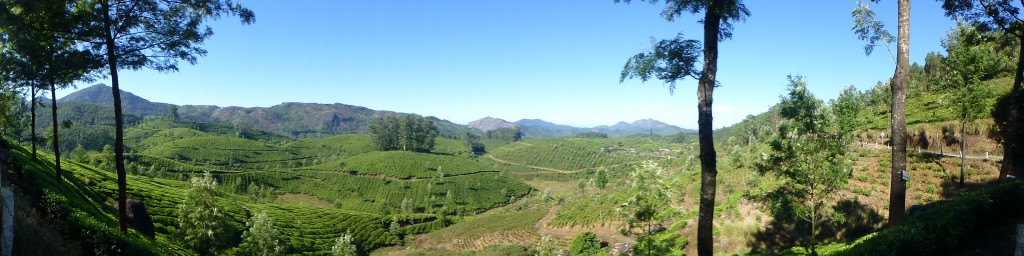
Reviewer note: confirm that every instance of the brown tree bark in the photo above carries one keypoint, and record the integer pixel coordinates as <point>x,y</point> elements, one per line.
<point>963,149</point>
<point>708,161</point>
<point>1010,132</point>
<point>56,138</point>
<point>122,186</point>
<point>898,186</point>
<point>32,107</point>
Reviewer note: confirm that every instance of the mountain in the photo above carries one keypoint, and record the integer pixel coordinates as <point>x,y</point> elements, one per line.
<point>101,94</point>
<point>537,128</point>
<point>642,126</point>
<point>291,118</point>
<point>490,123</point>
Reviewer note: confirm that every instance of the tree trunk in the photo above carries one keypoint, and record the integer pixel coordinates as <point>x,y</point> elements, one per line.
<point>1010,130</point>
<point>32,107</point>
<point>963,148</point>
<point>122,186</point>
<point>56,132</point>
<point>898,186</point>
<point>708,161</point>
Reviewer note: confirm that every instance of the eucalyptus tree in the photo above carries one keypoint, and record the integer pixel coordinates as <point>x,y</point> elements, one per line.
<point>141,34</point>
<point>972,57</point>
<point>673,60</point>
<point>873,31</point>
<point>1005,16</point>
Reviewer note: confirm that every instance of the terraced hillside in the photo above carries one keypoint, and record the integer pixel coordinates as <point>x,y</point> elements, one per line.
<point>565,154</point>
<point>87,191</point>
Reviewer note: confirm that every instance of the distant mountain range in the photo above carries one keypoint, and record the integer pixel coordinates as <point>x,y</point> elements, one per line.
<point>536,128</point>
<point>315,119</point>
<point>294,119</point>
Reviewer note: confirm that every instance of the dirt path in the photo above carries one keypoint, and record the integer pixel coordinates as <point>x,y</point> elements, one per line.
<point>550,170</point>
<point>930,152</point>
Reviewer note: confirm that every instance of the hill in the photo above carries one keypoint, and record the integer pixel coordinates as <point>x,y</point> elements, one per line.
<point>294,119</point>
<point>101,94</point>
<point>92,125</point>
<point>537,128</point>
<point>80,206</point>
<point>490,123</point>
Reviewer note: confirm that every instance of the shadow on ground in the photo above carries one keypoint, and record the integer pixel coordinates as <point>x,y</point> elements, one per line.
<point>783,234</point>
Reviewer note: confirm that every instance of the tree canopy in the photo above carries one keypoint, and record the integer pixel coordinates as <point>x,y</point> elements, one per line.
<point>407,133</point>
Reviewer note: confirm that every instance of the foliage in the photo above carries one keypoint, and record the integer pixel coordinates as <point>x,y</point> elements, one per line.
<point>408,133</point>
<point>592,135</point>
<point>12,111</point>
<point>472,143</point>
<point>200,220</point>
<point>585,243</point>
<point>261,238</point>
<point>601,178</point>
<point>666,242</point>
<point>809,155</point>
<point>650,199</point>
<point>171,113</point>
<point>505,134</point>
<point>547,246</point>
<point>972,57</point>
<point>943,227</point>
<point>344,246</point>
<point>867,28</point>
<point>669,60</point>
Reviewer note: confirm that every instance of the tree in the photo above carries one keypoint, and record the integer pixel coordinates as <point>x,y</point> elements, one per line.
<point>505,134</point>
<point>171,113</point>
<point>154,34</point>
<point>12,110</point>
<point>601,178</point>
<point>406,133</point>
<point>971,59</point>
<point>650,199</point>
<point>547,246</point>
<point>1005,16</point>
<point>585,243</point>
<point>344,246</point>
<point>260,238</point>
<point>847,108</point>
<point>472,143</point>
<point>200,221</point>
<point>43,53</point>
<point>808,156</point>
<point>867,28</point>
<point>673,60</point>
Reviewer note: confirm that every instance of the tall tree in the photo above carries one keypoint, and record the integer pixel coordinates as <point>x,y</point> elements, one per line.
<point>808,155</point>
<point>674,60</point>
<point>1006,16</point>
<point>201,223</point>
<point>971,59</point>
<point>867,28</point>
<point>40,41</point>
<point>155,34</point>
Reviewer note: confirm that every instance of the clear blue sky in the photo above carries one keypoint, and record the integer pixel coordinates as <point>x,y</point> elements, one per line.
<point>554,60</point>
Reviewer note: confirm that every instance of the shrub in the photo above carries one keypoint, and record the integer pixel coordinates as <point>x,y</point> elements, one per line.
<point>585,243</point>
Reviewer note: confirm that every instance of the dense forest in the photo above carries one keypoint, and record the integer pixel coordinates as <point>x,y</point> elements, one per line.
<point>923,163</point>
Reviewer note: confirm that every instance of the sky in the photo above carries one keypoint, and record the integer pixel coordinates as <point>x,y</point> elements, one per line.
<point>556,60</point>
